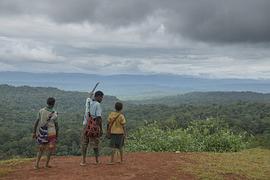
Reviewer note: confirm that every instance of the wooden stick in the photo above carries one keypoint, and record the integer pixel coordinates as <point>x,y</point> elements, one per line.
<point>95,87</point>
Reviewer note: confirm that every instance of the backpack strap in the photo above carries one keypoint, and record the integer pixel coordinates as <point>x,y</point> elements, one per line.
<point>111,124</point>
<point>48,120</point>
<point>89,106</point>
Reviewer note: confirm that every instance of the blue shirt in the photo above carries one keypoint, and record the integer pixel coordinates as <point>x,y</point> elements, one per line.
<point>93,107</point>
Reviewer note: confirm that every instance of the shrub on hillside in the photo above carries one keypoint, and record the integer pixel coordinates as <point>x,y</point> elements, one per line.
<point>208,135</point>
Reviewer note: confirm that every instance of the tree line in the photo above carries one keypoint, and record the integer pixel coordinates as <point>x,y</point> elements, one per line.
<point>246,124</point>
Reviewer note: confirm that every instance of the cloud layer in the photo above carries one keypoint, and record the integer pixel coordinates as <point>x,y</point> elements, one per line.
<point>206,20</point>
<point>224,38</point>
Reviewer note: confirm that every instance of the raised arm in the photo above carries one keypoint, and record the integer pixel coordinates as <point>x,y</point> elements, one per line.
<point>87,108</point>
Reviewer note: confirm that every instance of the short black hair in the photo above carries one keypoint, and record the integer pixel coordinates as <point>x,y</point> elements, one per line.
<point>99,93</point>
<point>51,101</point>
<point>118,106</point>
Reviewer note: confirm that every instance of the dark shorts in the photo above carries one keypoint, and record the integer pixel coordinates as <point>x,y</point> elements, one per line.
<point>117,141</point>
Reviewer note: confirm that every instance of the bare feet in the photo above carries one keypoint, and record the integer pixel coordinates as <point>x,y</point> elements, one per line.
<point>82,164</point>
<point>111,163</point>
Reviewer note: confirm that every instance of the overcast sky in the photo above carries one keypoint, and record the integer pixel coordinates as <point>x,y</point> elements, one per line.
<point>207,38</point>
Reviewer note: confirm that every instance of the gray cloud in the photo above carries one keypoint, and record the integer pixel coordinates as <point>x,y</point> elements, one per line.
<point>223,21</point>
<point>233,61</point>
<point>203,20</point>
<point>137,37</point>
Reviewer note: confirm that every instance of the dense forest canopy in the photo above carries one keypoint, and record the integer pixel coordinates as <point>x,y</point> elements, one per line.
<point>242,113</point>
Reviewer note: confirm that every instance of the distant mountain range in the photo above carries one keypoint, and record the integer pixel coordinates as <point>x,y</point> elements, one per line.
<point>30,99</point>
<point>133,86</point>
<point>208,98</point>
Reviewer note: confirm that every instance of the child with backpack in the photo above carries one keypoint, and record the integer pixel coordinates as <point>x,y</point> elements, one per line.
<point>46,131</point>
<point>116,131</point>
<point>92,126</point>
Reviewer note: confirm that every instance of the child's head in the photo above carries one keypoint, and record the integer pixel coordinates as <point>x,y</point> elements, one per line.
<point>50,101</point>
<point>99,96</point>
<point>118,106</point>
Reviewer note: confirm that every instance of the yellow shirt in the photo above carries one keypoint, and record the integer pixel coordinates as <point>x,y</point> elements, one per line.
<point>117,127</point>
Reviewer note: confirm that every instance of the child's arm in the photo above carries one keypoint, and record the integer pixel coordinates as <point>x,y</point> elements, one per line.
<point>99,121</point>
<point>123,123</point>
<point>35,129</point>
<point>91,95</point>
<point>56,128</point>
<point>54,117</point>
<point>87,106</point>
<point>108,122</point>
<point>125,131</point>
<point>34,135</point>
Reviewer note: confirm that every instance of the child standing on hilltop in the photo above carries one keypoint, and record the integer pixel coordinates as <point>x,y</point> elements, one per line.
<point>93,115</point>
<point>46,131</point>
<point>116,131</point>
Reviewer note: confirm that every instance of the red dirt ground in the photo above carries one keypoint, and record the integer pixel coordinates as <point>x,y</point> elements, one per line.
<point>136,166</point>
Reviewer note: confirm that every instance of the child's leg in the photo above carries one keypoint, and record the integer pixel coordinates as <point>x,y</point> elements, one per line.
<point>84,144</point>
<point>112,155</point>
<point>39,155</point>
<point>51,150</point>
<point>48,158</point>
<point>121,154</point>
<point>84,151</point>
<point>96,151</point>
<point>121,148</point>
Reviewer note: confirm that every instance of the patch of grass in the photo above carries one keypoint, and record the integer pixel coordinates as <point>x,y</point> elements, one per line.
<point>247,164</point>
<point>5,171</point>
<point>7,166</point>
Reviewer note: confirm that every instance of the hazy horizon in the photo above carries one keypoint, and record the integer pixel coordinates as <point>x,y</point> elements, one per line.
<point>133,87</point>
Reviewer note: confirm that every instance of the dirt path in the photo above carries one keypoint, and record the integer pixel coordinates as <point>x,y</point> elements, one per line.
<point>136,166</point>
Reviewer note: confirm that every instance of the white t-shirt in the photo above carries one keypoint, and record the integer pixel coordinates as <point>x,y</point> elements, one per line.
<point>93,107</point>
